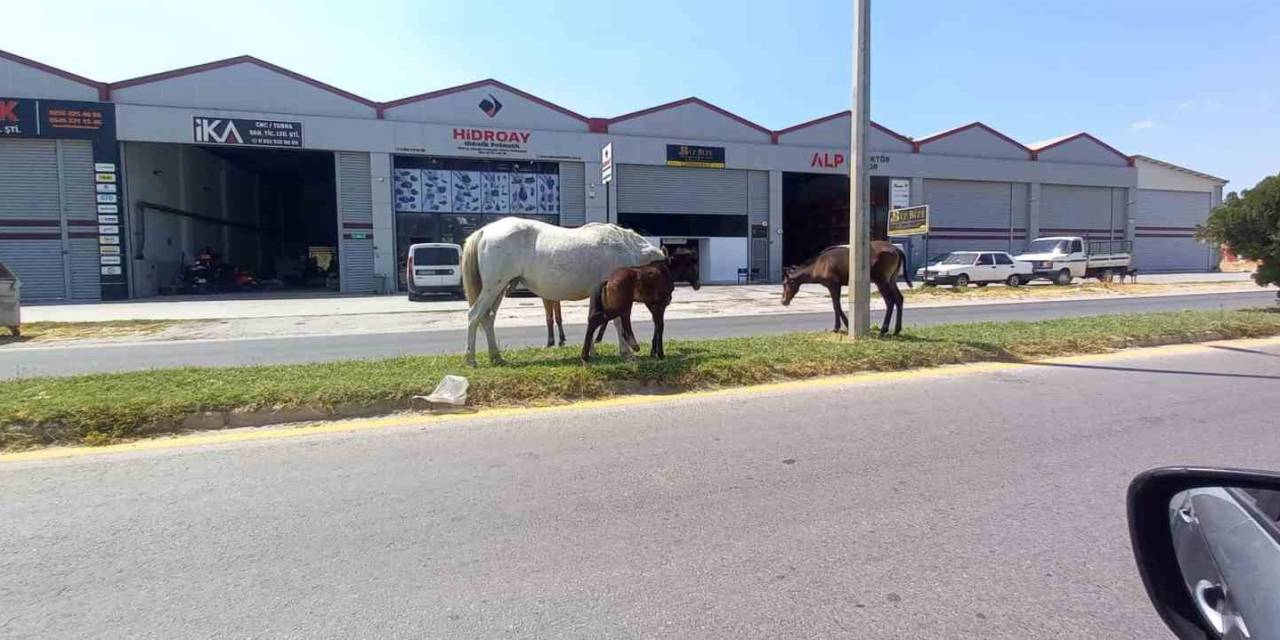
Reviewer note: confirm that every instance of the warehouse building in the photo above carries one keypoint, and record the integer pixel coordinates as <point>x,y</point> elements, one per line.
<point>108,189</point>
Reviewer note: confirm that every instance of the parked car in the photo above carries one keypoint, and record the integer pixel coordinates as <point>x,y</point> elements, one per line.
<point>1059,259</point>
<point>10,302</point>
<point>1207,543</point>
<point>935,260</point>
<point>433,267</point>
<point>960,268</point>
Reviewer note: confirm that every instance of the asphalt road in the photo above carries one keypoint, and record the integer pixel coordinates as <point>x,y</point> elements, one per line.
<point>23,361</point>
<point>980,505</point>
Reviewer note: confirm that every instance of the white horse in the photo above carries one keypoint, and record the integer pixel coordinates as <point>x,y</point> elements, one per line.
<point>555,263</point>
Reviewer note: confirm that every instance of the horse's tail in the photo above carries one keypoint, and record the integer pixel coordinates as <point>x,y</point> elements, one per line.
<point>471,283</point>
<point>902,264</point>
<point>597,300</point>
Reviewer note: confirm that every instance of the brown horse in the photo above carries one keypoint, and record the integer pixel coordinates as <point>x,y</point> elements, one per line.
<point>651,284</point>
<point>551,308</point>
<point>831,269</point>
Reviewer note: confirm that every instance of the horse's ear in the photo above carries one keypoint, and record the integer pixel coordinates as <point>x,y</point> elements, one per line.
<point>665,252</point>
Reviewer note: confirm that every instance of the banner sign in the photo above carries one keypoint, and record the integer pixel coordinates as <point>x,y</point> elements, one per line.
<point>492,142</point>
<point>606,163</point>
<point>899,193</point>
<point>685,155</point>
<point>909,221</point>
<point>75,120</point>
<point>246,132</point>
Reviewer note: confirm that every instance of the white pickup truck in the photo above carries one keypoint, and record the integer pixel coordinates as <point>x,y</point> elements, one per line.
<point>1062,258</point>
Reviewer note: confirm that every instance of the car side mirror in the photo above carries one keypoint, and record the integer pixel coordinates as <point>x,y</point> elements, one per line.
<point>1207,545</point>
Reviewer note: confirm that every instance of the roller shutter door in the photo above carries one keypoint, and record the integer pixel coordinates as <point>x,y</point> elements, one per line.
<point>82,219</point>
<point>968,215</point>
<point>1164,226</point>
<point>1080,211</point>
<point>355,215</point>
<point>573,194</point>
<point>31,242</point>
<point>758,212</point>
<point>657,189</point>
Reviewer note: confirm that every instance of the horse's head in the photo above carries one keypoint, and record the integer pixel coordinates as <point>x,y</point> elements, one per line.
<point>792,278</point>
<point>684,267</point>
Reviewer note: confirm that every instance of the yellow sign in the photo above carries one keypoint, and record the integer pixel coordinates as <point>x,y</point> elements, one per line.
<point>909,221</point>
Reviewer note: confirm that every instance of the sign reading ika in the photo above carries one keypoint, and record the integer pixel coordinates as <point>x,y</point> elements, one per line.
<point>239,131</point>
<point>827,160</point>
<point>496,142</point>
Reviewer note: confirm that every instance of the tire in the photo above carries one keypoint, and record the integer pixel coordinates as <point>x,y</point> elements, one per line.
<point>1062,278</point>
<point>962,281</point>
<point>1014,280</point>
<point>415,297</point>
<point>1108,276</point>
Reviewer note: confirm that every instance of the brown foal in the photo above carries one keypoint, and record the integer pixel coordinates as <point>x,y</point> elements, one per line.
<point>831,270</point>
<point>651,284</point>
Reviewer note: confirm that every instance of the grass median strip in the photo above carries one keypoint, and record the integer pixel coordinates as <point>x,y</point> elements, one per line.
<point>105,408</point>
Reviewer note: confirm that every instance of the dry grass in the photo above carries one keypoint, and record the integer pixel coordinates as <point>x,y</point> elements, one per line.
<point>105,408</point>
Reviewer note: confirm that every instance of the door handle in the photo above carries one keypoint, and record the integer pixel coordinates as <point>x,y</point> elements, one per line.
<point>1207,595</point>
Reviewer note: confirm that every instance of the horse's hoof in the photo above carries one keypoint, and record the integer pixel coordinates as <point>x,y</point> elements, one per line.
<point>498,361</point>
<point>471,361</point>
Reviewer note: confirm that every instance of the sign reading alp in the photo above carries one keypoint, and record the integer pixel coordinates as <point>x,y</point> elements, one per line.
<point>909,221</point>
<point>606,163</point>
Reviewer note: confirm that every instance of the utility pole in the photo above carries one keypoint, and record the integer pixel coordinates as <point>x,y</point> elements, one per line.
<point>859,184</point>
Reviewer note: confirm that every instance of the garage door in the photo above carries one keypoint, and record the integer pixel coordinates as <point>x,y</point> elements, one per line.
<point>355,215</point>
<point>969,215</point>
<point>675,201</point>
<point>1081,211</point>
<point>48,228</point>
<point>573,194</point>
<point>1164,228</point>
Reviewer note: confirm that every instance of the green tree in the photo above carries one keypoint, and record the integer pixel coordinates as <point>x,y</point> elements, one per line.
<point>1248,224</point>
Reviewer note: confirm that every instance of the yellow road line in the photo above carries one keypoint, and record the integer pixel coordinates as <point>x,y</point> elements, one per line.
<point>280,432</point>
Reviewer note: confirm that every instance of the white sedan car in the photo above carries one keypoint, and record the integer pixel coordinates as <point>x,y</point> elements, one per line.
<point>960,268</point>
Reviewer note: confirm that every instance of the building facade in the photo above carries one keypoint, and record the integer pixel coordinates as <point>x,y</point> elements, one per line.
<point>107,190</point>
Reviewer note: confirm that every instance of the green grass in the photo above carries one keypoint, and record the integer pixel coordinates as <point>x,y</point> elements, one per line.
<point>97,409</point>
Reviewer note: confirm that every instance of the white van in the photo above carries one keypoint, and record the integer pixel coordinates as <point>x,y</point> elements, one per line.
<point>433,267</point>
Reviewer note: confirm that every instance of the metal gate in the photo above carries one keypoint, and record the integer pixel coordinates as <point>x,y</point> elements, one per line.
<point>355,223</point>
<point>573,194</point>
<point>1164,230</point>
<point>969,215</point>
<point>758,211</point>
<point>1095,212</point>
<point>48,225</point>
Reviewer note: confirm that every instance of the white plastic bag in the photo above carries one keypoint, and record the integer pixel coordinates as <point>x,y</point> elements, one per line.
<point>452,390</point>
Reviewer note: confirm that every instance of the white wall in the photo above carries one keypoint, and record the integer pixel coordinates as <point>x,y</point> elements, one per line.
<point>975,142</point>
<point>245,86</point>
<point>835,133</point>
<point>462,108</point>
<point>721,258</point>
<point>1082,150</point>
<point>690,120</point>
<point>1154,176</point>
<point>18,80</point>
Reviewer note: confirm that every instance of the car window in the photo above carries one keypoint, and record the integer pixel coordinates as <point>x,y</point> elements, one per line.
<point>985,259</point>
<point>1003,259</point>
<point>435,256</point>
<point>1076,246</point>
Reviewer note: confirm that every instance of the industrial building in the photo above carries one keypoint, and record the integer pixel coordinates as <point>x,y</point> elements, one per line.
<point>108,189</point>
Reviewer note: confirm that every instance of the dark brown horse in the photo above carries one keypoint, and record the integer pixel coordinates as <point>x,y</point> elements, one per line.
<point>831,269</point>
<point>651,284</point>
<point>551,308</point>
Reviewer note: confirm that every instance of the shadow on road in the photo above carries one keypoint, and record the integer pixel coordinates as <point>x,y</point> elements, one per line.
<point>1243,350</point>
<point>1179,372</point>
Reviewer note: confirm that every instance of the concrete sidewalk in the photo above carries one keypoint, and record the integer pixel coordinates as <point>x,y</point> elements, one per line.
<point>711,300</point>
<point>260,316</point>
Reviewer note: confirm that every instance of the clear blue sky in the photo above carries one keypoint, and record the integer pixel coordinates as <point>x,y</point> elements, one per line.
<point>1194,83</point>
